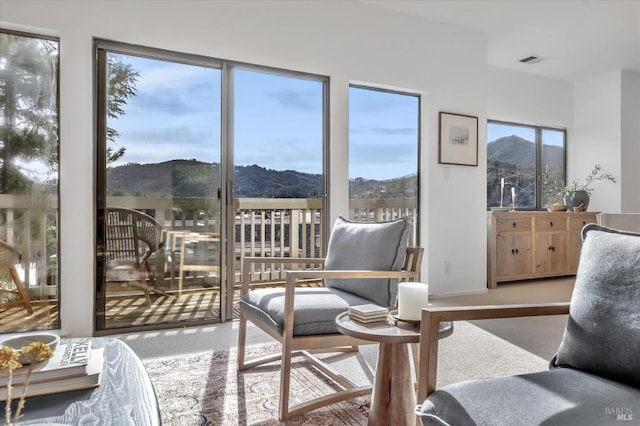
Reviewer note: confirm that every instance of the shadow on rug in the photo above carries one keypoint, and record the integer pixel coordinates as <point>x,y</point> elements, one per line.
<point>207,389</point>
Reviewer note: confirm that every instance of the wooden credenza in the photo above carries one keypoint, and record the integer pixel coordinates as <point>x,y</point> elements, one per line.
<point>526,245</point>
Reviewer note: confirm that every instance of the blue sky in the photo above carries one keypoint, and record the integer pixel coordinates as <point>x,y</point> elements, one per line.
<point>278,121</point>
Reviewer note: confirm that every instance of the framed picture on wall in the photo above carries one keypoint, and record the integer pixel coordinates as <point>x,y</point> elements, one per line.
<point>458,139</point>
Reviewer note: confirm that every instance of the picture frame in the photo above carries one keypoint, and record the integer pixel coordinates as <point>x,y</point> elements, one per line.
<point>458,139</point>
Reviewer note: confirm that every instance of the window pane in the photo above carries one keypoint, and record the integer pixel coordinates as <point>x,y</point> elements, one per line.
<point>553,149</point>
<point>511,155</point>
<point>516,155</point>
<point>383,156</point>
<point>278,155</point>
<point>161,181</point>
<point>28,183</point>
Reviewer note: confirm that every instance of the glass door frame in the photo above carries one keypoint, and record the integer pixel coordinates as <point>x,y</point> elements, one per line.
<point>228,145</point>
<point>227,214</point>
<point>101,48</point>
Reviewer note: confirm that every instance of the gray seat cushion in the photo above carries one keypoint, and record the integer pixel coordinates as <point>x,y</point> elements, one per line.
<point>603,332</point>
<point>314,309</point>
<point>377,246</point>
<point>563,396</point>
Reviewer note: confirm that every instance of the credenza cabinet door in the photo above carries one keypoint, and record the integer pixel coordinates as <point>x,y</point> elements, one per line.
<point>551,254</point>
<point>513,253</point>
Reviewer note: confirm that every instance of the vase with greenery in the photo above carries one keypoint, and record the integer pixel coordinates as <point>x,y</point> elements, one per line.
<point>577,193</point>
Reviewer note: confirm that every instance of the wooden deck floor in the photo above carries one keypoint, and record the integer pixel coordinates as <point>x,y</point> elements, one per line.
<point>122,311</point>
<point>125,310</point>
<point>15,318</point>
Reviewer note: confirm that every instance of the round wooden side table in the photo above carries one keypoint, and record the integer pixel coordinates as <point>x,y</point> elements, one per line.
<point>393,399</point>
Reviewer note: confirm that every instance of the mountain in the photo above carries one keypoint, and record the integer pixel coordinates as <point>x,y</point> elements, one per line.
<point>513,150</point>
<point>178,178</point>
<point>192,178</point>
<point>521,153</point>
<point>255,181</point>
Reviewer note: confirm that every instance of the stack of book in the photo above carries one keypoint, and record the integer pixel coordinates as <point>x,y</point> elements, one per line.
<point>74,365</point>
<point>368,313</point>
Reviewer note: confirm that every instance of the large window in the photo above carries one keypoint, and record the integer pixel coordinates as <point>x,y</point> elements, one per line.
<point>517,156</point>
<point>383,156</point>
<point>29,225</point>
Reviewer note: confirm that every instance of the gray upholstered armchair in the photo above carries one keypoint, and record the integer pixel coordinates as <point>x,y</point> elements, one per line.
<point>363,265</point>
<point>594,379</point>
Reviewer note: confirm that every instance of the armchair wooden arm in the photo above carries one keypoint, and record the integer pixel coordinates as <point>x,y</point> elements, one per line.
<point>432,316</point>
<point>249,261</point>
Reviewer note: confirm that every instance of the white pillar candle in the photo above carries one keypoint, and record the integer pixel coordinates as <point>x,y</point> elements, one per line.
<point>412,297</point>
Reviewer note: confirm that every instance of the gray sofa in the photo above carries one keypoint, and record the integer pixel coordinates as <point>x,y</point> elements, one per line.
<point>594,379</point>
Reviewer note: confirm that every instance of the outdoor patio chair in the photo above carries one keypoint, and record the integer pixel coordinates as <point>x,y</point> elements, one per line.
<point>364,263</point>
<point>131,238</point>
<point>9,258</point>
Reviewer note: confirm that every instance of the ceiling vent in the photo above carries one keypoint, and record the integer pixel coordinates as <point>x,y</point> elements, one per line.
<point>532,60</point>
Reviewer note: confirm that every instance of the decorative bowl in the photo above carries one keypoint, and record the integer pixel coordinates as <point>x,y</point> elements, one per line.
<point>18,342</point>
<point>557,208</point>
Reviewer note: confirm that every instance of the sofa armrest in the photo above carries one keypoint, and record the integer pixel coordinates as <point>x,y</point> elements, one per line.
<point>432,316</point>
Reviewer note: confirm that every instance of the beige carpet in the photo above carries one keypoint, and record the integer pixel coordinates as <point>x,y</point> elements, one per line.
<point>205,388</point>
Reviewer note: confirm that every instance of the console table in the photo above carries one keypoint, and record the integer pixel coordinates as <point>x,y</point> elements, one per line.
<point>524,245</point>
<point>125,395</point>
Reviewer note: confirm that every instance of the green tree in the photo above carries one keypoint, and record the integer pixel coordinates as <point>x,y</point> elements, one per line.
<point>29,108</point>
<point>28,101</point>
<point>122,85</point>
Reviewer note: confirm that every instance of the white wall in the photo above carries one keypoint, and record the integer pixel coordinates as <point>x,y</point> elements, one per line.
<point>348,41</point>
<point>529,99</point>
<point>630,179</point>
<point>597,121</point>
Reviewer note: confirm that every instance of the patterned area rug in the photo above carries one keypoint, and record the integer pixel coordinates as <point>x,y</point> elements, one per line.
<point>207,389</point>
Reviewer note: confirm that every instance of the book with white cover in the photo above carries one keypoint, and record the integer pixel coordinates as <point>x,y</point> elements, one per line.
<point>369,309</point>
<point>65,384</point>
<point>69,359</point>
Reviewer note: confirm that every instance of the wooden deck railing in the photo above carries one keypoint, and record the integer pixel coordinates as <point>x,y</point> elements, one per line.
<point>263,227</point>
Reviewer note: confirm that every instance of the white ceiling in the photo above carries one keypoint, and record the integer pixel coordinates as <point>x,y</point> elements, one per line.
<point>577,38</point>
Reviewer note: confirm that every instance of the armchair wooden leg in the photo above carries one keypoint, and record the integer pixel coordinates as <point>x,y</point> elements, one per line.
<point>21,291</point>
<point>285,377</point>
<point>242,337</point>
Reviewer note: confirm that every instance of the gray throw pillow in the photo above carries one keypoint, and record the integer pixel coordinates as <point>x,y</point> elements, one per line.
<point>603,332</point>
<point>377,246</point>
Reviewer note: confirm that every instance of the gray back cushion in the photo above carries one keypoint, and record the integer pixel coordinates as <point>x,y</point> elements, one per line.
<point>370,246</point>
<point>603,332</point>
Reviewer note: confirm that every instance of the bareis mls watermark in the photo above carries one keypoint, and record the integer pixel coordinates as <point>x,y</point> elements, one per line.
<point>624,414</point>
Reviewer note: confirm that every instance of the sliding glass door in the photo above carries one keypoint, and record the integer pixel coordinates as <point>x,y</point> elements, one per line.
<point>200,163</point>
<point>159,197</point>
<point>278,179</point>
